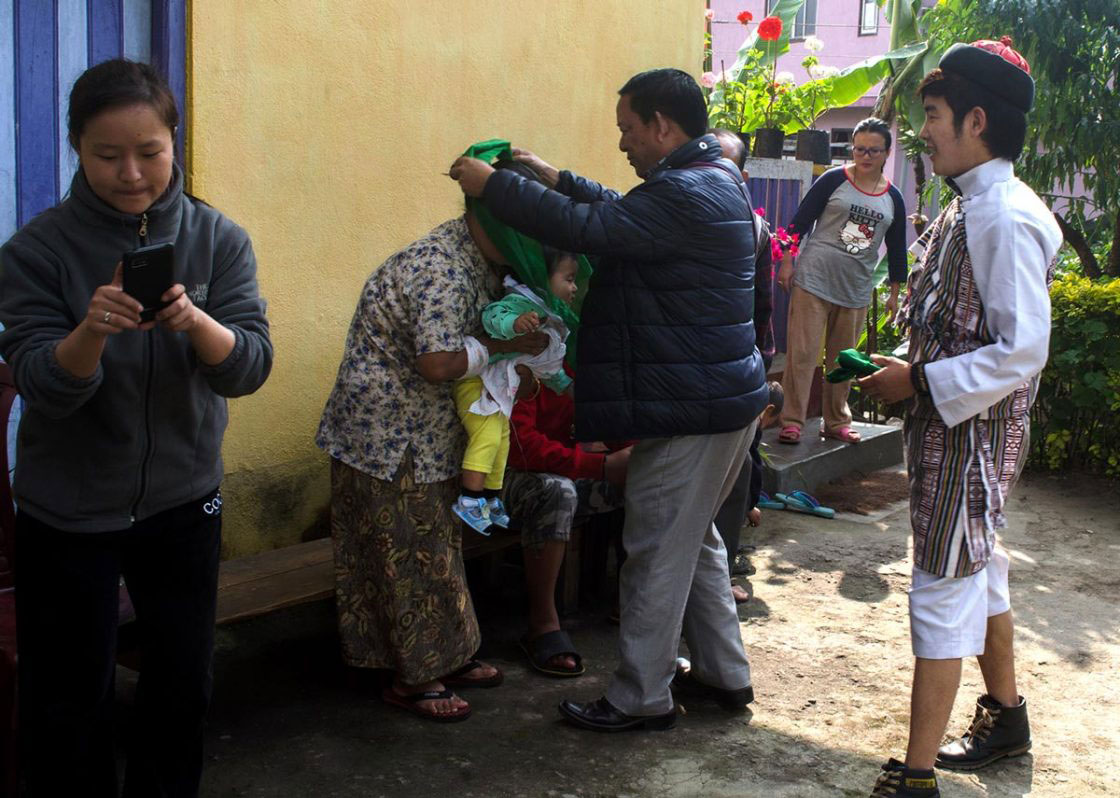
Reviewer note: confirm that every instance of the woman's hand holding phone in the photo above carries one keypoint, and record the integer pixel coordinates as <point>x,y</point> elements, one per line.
<point>112,310</point>
<point>180,314</point>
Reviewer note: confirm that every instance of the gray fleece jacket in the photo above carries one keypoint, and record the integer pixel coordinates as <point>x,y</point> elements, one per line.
<point>144,433</point>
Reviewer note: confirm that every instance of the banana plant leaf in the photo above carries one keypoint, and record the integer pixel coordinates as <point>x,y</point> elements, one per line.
<point>915,114</point>
<point>855,81</point>
<point>879,276</point>
<point>842,90</point>
<point>880,325</point>
<point>903,17</point>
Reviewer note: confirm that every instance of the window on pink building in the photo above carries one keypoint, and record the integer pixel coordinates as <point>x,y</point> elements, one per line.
<point>868,17</point>
<point>806,22</point>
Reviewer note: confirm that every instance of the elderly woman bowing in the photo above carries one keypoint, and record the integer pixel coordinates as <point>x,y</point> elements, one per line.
<point>395,441</point>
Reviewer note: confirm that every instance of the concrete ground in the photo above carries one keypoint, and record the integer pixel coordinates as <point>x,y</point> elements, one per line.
<point>828,640</point>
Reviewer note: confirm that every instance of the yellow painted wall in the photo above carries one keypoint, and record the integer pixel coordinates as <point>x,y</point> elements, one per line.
<point>322,127</point>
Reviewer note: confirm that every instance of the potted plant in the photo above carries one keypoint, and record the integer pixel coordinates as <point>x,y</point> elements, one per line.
<point>729,96</point>
<point>751,98</point>
<point>729,107</point>
<point>770,96</point>
<point>808,101</point>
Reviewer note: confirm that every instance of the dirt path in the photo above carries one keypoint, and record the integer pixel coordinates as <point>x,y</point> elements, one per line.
<point>827,635</point>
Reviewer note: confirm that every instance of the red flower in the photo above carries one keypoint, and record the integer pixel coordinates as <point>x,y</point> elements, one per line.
<point>745,17</point>
<point>770,29</point>
<point>781,242</point>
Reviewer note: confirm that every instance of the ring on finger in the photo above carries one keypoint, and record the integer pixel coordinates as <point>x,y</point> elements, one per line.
<point>105,318</point>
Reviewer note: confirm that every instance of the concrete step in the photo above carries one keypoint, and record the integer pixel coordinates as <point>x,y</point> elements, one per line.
<point>816,460</point>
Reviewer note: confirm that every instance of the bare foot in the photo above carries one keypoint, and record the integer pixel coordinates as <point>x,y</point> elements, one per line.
<point>754,517</point>
<point>438,706</point>
<point>741,594</point>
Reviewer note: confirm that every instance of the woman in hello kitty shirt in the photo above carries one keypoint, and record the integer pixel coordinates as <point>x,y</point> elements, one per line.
<point>846,217</point>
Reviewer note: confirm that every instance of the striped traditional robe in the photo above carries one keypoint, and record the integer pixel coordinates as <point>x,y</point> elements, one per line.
<point>959,476</point>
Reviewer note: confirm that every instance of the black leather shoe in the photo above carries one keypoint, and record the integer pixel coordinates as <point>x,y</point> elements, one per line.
<point>996,732</point>
<point>601,715</point>
<point>731,700</point>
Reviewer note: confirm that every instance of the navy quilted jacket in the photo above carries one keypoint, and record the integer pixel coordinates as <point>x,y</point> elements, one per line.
<point>667,339</point>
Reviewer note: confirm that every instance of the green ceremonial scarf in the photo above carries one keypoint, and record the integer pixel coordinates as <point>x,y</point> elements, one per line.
<point>524,253</point>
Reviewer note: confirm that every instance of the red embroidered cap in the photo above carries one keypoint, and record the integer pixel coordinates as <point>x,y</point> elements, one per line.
<point>996,66</point>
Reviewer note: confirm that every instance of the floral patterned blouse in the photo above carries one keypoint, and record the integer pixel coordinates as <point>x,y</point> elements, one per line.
<point>423,299</point>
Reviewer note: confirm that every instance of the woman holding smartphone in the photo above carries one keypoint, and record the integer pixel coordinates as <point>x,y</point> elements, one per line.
<point>120,445</point>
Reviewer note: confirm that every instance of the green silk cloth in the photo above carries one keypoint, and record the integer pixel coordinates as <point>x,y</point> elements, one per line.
<point>852,364</point>
<point>524,253</point>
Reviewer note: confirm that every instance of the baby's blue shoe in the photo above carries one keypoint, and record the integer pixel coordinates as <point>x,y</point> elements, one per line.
<point>498,514</point>
<point>474,512</point>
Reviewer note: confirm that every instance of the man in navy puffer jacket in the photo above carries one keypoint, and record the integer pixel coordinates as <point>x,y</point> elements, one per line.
<point>666,355</point>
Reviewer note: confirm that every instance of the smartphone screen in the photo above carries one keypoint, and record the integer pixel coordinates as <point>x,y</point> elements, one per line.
<point>148,273</point>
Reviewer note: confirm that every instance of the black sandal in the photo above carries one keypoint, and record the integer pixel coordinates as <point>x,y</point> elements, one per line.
<point>457,678</point>
<point>544,647</point>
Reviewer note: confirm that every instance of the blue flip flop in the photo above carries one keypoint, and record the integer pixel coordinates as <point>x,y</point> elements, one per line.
<point>802,502</point>
<point>766,503</point>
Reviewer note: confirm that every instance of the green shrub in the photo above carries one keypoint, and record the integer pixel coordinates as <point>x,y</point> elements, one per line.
<point>1075,419</point>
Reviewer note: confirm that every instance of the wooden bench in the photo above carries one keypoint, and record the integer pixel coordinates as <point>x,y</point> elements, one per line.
<point>262,583</point>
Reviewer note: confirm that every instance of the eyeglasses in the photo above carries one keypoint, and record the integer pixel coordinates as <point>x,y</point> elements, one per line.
<point>874,152</point>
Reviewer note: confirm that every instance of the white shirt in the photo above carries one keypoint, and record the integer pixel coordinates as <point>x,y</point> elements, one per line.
<point>1012,238</point>
<point>500,378</point>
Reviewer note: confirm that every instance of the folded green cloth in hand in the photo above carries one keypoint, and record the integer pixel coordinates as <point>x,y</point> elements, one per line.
<point>853,363</point>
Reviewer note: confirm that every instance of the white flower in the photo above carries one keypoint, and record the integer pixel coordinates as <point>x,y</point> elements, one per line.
<point>784,77</point>
<point>813,44</point>
<point>831,71</point>
<point>817,71</point>
<point>709,14</point>
<point>707,80</point>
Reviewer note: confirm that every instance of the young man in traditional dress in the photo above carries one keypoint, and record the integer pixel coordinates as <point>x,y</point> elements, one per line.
<point>978,310</point>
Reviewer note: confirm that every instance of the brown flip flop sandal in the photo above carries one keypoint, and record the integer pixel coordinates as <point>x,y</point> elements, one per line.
<point>411,703</point>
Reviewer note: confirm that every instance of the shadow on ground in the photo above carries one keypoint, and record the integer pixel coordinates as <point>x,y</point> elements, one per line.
<point>289,720</point>
<point>829,646</point>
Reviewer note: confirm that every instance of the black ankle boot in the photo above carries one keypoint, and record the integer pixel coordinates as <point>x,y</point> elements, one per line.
<point>996,731</point>
<point>899,781</point>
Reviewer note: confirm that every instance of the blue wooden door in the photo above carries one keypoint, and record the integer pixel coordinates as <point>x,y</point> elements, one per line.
<point>44,46</point>
<point>780,199</point>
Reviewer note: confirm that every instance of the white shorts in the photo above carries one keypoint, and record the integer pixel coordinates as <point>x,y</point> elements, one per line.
<point>949,616</point>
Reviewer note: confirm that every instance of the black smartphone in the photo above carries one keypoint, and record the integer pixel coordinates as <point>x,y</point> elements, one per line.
<point>148,273</point>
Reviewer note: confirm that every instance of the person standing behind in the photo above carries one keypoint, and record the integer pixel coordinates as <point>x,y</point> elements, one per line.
<point>120,443</point>
<point>666,356</point>
<point>849,212</point>
<point>553,484</point>
<point>741,505</point>
<point>978,309</point>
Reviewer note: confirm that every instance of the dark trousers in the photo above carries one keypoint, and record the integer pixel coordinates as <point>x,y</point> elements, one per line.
<point>742,499</point>
<point>66,612</point>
